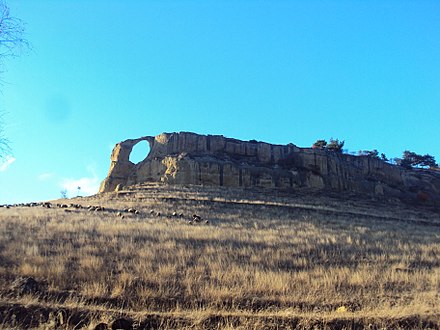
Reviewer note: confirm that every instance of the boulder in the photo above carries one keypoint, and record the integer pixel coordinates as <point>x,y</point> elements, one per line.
<point>26,285</point>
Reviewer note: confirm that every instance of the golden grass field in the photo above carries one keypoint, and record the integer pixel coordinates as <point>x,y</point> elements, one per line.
<point>264,260</point>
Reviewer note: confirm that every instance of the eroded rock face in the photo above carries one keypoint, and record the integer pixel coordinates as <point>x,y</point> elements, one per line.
<point>188,158</point>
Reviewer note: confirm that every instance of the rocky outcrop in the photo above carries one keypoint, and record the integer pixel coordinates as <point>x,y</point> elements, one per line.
<point>188,158</point>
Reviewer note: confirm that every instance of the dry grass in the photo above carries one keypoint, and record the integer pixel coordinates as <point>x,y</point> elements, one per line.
<point>253,262</point>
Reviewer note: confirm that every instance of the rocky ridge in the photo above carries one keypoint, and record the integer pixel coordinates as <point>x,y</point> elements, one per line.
<point>214,160</point>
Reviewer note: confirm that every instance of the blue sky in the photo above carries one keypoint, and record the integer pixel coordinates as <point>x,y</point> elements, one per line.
<point>367,72</point>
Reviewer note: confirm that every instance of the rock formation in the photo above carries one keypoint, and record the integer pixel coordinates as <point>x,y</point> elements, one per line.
<point>188,158</point>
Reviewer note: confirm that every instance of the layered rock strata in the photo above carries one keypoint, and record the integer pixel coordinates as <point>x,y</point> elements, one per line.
<point>214,160</point>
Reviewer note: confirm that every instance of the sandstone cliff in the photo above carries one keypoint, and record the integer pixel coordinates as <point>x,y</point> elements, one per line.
<point>188,158</point>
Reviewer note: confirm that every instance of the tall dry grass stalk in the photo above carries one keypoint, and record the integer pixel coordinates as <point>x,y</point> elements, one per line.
<point>250,258</point>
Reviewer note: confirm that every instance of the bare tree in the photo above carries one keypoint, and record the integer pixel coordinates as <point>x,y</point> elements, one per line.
<point>4,145</point>
<point>12,43</point>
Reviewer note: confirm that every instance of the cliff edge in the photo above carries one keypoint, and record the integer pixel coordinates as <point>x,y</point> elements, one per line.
<point>214,160</point>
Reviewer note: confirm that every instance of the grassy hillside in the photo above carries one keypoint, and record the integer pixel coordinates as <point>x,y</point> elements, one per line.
<point>256,259</point>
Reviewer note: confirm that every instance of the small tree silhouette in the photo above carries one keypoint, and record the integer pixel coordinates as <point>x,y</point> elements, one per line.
<point>319,144</point>
<point>335,145</point>
<point>411,159</point>
<point>369,153</point>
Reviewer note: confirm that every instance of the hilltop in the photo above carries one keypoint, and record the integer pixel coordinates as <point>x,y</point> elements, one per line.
<point>209,232</point>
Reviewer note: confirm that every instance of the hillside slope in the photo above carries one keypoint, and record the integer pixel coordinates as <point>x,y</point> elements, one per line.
<point>251,259</point>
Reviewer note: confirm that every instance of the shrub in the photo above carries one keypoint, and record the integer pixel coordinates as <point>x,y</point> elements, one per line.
<point>335,145</point>
<point>319,144</point>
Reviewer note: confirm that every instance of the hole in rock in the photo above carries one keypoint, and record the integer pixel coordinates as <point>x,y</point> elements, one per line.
<point>139,152</point>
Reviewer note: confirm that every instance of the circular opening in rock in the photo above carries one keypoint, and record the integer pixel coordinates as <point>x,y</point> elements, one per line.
<point>139,152</point>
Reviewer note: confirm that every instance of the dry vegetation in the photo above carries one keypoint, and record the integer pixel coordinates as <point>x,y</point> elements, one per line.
<point>273,262</point>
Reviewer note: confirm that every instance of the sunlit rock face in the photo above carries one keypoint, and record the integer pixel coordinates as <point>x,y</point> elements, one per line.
<point>214,160</point>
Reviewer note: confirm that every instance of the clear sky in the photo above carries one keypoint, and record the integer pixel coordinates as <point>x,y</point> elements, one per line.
<point>99,72</point>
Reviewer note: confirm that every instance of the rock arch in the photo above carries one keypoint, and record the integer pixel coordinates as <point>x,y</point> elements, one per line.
<point>214,160</point>
<point>139,152</point>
